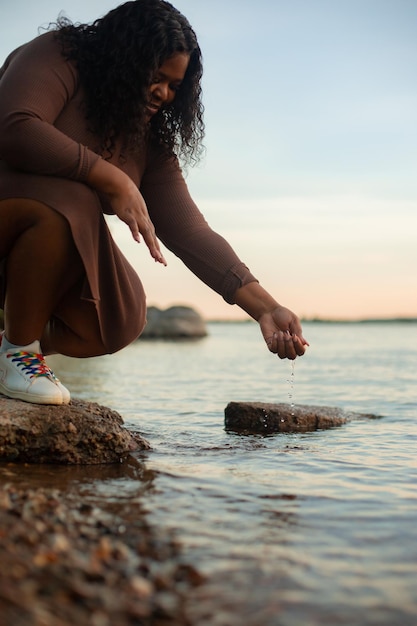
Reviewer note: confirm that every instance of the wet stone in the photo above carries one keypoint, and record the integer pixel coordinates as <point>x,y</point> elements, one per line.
<point>63,561</point>
<point>80,433</point>
<point>261,417</point>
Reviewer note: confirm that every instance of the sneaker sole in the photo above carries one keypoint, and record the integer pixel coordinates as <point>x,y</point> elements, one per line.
<point>27,397</point>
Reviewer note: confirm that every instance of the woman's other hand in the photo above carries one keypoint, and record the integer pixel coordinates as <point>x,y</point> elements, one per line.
<point>127,203</point>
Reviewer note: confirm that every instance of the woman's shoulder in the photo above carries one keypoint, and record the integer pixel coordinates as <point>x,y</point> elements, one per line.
<point>43,45</point>
<point>44,51</point>
<point>44,48</point>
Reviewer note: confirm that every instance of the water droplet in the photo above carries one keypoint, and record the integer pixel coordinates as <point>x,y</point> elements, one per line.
<point>291,389</point>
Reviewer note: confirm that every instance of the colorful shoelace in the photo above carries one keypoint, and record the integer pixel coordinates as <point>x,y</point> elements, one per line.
<point>34,365</point>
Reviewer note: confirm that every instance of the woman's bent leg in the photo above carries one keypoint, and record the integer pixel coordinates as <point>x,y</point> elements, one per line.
<point>42,264</point>
<point>74,328</point>
<point>42,268</point>
<point>45,276</point>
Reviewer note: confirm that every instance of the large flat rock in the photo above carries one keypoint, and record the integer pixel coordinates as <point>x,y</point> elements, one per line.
<point>260,417</point>
<point>177,322</point>
<point>77,433</point>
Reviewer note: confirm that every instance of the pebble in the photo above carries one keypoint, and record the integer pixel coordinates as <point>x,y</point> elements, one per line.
<point>67,558</point>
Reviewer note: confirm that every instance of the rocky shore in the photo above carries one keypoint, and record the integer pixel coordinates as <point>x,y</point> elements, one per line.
<point>75,544</point>
<point>79,433</point>
<point>71,556</point>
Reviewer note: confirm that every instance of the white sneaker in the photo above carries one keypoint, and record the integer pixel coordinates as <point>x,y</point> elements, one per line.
<point>26,376</point>
<point>66,396</point>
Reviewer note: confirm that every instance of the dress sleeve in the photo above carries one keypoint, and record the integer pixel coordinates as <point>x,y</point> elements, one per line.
<point>36,84</point>
<point>183,229</point>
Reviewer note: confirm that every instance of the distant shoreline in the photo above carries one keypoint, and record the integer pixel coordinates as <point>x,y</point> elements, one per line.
<point>320,320</point>
<point>367,320</point>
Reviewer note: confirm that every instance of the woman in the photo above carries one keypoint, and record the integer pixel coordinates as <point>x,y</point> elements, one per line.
<point>94,119</point>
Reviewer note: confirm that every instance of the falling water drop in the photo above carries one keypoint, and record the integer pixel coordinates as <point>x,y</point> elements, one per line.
<point>291,388</point>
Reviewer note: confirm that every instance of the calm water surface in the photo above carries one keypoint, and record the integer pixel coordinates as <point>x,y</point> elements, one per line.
<point>290,529</point>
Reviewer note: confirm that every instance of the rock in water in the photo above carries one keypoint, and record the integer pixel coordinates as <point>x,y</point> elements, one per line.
<point>177,322</point>
<point>83,433</point>
<point>258,417</point>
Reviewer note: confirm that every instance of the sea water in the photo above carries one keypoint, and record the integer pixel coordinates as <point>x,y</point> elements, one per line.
<point>288,529</point>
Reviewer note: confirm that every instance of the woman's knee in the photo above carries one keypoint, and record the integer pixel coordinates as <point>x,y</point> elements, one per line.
<point>20,215</point>
<point>126,331</point>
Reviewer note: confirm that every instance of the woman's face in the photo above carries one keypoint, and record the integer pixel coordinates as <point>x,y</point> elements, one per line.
<point>166,82</point>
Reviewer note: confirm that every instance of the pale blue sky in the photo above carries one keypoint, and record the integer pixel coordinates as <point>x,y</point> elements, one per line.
<point>310,171</point>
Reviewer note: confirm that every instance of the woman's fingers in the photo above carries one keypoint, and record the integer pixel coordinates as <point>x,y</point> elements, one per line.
<point>285,345</point>
<point>140,226</point>
<point>127,203</point>
<point>288,343</point>
<point>152,242</point>
<point>129,218</point>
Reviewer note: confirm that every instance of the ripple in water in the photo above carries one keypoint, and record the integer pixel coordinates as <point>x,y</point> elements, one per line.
<point>290,529</point>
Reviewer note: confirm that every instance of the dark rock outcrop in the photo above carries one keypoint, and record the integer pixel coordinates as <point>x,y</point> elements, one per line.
<point>79,433</point>
<point>258,417</point>
<point>177,322</point>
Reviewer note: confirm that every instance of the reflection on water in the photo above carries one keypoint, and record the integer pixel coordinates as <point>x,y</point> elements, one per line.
<point>309,528</point>
<point>133,476</point>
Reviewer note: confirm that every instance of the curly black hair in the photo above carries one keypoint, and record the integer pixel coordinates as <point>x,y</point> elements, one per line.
<point>117,57</point>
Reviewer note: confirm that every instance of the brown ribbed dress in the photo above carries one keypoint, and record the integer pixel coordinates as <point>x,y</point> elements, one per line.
<point>46,153</point>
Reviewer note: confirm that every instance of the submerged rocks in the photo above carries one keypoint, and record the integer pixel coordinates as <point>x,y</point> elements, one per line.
<point>77,555</point>
<point>258,417</point>
<point>177,322</point>
<point>77,433</point>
